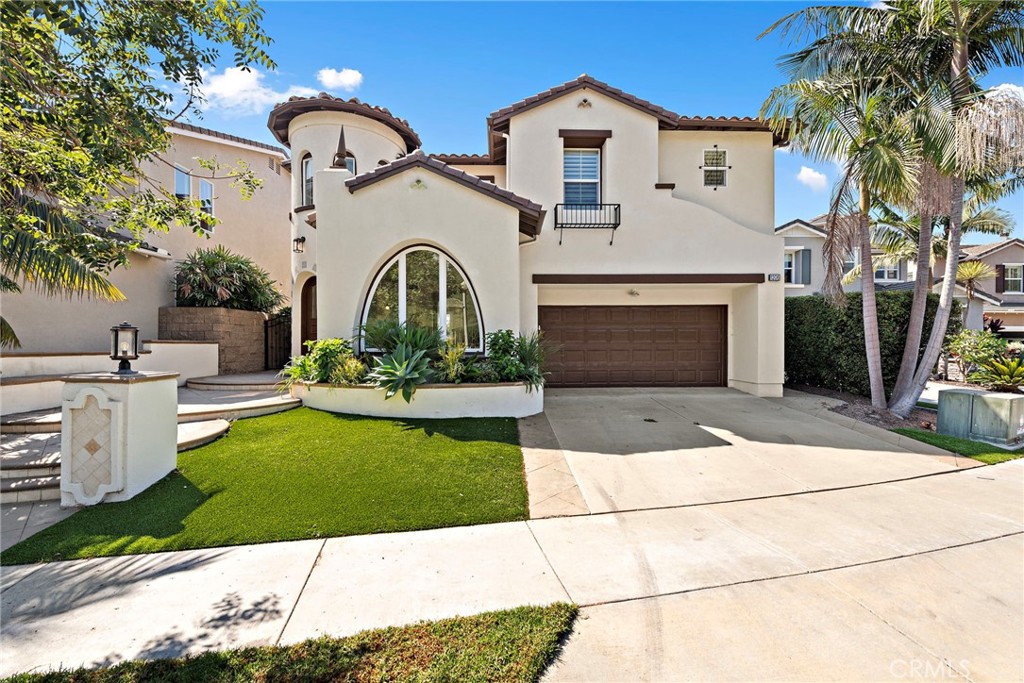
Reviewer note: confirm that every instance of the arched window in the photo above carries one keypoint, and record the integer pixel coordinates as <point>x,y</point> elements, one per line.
<point>424,287</point>
<point>307,180</point>
<point>350,162</point>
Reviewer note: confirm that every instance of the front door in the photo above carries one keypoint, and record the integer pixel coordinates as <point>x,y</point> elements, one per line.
<point>308,303</point>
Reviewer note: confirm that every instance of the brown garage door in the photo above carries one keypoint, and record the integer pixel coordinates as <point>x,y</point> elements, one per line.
<point>682,346</point>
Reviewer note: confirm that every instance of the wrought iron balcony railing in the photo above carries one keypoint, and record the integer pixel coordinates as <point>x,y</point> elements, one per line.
<point>587,217</point>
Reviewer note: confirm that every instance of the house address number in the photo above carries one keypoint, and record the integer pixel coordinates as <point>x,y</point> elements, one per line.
<point>774,277</point>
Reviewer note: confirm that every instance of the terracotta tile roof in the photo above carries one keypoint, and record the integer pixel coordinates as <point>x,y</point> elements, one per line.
<point>282,114</point>
<point>464,159</point>
<point>531,214</point>
<point>501,116</point>
<point>497,122</point>
<point>224,136</point>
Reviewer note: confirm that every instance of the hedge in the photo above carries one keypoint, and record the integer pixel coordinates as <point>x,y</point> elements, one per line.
<point>825,343</point>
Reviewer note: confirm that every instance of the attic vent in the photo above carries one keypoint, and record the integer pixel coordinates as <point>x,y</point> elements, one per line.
<point>273,165</point>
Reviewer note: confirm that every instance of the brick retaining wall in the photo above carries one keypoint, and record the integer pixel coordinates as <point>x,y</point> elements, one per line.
<point>240,334</point>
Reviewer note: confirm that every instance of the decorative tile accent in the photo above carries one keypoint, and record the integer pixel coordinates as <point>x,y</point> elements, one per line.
<point>90,447</point>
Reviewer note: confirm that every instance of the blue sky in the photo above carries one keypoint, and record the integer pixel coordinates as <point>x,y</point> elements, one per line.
<point>445,66</point>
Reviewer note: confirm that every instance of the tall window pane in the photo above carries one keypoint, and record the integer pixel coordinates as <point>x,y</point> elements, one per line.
<point>307,180</point>
<point>582,173</point>
<point>461,322</point>
<point>384,307</point>
<point>206,196</point>
<point>182,183</point>
<point>422,289</point>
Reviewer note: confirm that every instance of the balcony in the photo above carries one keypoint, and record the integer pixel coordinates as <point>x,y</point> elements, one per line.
<point>587,217</point>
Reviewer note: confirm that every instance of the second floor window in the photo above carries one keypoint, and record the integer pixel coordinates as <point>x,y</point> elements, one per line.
<point>206,201</point>
<point>582,176</point>
<point>182,183</point>
<point>789,268</point>
<point>307,180</point>
<point>714,167</point>
<point>1013,279</point>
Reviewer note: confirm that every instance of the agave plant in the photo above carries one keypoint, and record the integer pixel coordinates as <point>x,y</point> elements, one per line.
<point>401,371</point>
<point>1006,374</point>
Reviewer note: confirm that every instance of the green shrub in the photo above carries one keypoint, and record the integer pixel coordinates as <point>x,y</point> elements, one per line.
<point>972,348</point>
<point>451,363</point>
<point>1001,374</point>
<point>349,372</point>
<point>219,278</point>
<point>825,343</point>
<point>513,358</point>
<point>401,371</point>
<point>327,361</point>
<point>386,337</point>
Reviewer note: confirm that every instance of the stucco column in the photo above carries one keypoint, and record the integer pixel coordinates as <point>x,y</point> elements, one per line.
<point>119,435</point>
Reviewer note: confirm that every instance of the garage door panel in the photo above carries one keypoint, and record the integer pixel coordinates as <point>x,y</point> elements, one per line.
<point>635,345</point>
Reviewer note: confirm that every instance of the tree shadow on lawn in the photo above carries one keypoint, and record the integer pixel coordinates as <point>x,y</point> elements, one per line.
<point>110,529</point>
<point>468,429</point>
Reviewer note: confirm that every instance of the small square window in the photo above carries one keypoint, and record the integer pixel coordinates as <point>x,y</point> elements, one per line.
<point>715,167</point>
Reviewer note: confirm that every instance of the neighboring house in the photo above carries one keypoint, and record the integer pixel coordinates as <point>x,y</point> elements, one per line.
<point>804,265</point>
<point>1001,296</point>
<point>640,241</point>
<point>258,228</point>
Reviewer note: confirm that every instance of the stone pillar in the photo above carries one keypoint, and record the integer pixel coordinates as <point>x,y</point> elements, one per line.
<point>119,435</point>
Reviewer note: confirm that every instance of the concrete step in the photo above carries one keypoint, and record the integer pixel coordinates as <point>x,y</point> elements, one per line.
<point>48,421</point>
<point>256,381</point>
<point>30,468</point>
<point>30,489</point>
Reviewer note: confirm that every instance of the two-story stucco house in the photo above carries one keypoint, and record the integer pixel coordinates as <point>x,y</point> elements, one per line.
<point>640,241</point>
<point>257,227</point>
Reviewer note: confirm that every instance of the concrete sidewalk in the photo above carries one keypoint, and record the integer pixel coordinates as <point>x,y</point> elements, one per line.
<point>738,567</point>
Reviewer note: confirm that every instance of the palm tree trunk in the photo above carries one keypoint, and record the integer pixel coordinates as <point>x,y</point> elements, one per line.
<point>915,326</point>
<point>904,404</point>
<point>872,346</point>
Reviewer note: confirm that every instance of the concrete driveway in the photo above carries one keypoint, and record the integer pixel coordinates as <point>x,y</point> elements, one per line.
<point>604,450</point>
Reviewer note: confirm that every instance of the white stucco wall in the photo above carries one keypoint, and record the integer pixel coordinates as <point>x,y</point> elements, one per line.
<point>683,231</point>
<point>360,232</point>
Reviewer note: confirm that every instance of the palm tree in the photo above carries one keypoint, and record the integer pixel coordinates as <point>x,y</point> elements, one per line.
<point>934,52</point>
<point>969,274</point>
<point>57,255</point>
<point>851,121</point>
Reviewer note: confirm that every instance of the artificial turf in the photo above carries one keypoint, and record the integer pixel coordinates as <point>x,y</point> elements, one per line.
<point>306,474</point>
<point>984,452</point>
<point>508,646</point>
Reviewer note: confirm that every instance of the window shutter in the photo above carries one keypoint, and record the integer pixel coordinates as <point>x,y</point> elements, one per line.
<point>1000,278</point>
<point>805,266</point>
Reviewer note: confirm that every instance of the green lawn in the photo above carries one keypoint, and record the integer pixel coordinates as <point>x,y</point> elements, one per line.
<point>984,452</point>
<point>306,474</point>
<point>512,645</point>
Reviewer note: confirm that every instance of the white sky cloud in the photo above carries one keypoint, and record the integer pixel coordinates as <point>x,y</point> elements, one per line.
<point>812,179</point>
<point>346,79</point>
<point>242,92</point>
<point>1010,89</point>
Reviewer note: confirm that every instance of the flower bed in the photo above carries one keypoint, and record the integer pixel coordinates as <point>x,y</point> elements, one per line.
<point>510,399</point>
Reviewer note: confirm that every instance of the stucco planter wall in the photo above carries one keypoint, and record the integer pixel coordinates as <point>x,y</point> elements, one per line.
<point>429,401</point>
<point>239,334</point>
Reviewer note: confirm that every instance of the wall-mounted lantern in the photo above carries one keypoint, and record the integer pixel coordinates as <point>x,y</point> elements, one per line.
<point>124,347</point>
<point>299,245</point>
